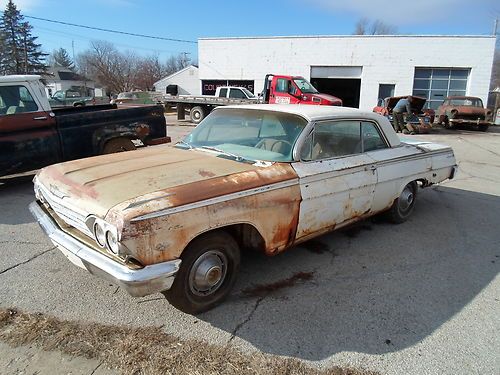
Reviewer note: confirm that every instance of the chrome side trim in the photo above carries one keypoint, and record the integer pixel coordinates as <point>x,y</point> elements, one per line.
<point>224,198</point>
<point>137,282</point>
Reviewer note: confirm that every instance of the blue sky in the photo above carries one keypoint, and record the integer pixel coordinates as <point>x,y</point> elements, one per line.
<point>193,19</point>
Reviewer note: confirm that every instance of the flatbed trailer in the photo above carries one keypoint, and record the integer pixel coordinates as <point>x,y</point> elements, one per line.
<point>199,106</point>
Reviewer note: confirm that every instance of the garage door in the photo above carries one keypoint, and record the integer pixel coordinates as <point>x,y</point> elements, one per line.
<point>435,84</point>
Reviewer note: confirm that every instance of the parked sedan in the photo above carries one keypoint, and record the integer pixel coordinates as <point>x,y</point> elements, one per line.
<point>464,110</point>
<point>262,177</point>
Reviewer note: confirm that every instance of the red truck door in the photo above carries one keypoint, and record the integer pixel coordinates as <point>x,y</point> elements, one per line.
<point>281,88</point>
<point>28,135</point>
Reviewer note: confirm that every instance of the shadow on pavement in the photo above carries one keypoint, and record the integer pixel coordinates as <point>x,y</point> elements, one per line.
<point>16,192</point>
<point>375,288</point>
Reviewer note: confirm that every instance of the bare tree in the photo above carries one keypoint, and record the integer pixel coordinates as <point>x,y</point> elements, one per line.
<point>377,27</point>
<point>125,71</point>
<point>105,64</point>
<point>495,72</point>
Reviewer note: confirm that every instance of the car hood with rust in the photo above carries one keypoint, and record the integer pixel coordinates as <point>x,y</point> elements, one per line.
<point>143,181</point>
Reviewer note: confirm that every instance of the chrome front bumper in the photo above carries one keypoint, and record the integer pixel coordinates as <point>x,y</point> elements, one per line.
<point>137,282</point>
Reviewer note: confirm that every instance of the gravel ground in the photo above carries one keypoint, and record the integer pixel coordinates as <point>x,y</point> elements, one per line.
<point>422,297</point>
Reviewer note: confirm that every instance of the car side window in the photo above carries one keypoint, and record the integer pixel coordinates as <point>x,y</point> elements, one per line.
<point>282,85</point>
<point>331,139</point>
<point>372,140</point>
<point>16,99</point>
<point>236,93</point>
<point>222,93</point>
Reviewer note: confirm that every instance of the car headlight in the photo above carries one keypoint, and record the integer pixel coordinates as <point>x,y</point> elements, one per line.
<point>105,234</point>
<point>112,242</point>
<point>100,233</point>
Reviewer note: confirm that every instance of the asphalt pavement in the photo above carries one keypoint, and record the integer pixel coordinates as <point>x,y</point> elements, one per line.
<point>422,297</point>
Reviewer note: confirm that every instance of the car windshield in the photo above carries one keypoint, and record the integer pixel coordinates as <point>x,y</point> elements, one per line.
<point>247,134</point>
<point>305,86</point>
<point>473,102</point>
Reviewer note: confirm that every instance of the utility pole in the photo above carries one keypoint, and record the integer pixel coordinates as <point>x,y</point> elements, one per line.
<point>495,26</point>
<point>73,48</point>
<point>185,58</point>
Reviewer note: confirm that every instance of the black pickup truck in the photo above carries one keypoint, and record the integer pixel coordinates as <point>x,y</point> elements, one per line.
<point>33,135</point>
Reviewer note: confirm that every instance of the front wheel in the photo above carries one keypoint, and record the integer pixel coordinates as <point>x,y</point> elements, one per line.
<point>403,207</point>
<point>197,114</point>
<point>207,274</point>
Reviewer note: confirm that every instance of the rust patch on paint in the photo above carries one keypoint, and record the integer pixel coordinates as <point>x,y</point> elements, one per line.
<point>204,173</point>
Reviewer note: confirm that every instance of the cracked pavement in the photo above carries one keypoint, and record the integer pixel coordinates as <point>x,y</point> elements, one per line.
<point>419,298</point>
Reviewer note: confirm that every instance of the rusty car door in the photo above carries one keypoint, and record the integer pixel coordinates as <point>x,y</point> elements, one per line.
<point>337,180</point>
<point>28,135</point>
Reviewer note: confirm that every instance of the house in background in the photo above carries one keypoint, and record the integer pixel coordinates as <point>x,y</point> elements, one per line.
<point>184,82</point>
<point>62,79</point>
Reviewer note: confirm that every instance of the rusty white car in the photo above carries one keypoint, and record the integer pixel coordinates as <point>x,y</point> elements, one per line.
<point>265,177</point>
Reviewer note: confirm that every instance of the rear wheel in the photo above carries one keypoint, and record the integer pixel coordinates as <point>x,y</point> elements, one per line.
<point>207,274</point>
<point>197,114</point>
<point>118,145</point>
<point>403,207</point>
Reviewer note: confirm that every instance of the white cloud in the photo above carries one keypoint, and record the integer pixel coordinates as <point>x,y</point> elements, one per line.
<point>407,12</point>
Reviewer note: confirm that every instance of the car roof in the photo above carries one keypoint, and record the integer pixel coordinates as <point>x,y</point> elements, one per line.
<point>18,77</point>
<point>462,97</point>
<point>310,112</point>
<point>324,112</point>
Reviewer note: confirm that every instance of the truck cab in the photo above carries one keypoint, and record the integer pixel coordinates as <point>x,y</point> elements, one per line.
<point>234,93</point>
<point>282,89</point>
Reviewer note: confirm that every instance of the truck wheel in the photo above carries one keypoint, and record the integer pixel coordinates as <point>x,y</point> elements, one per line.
<point>118,145</point>
<point>207,274</point>
<point>403,207</point>
<point>197,114</point>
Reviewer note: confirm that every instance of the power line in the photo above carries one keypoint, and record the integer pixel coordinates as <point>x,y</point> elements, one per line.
<point>112,31</point>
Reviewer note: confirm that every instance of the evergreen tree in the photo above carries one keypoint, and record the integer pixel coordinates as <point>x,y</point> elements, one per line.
<point>21,54</point>
<point>61,57</point>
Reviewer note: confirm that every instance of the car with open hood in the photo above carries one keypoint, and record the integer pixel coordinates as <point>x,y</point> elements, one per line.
<point>262,177</point>
<point>419,121</point>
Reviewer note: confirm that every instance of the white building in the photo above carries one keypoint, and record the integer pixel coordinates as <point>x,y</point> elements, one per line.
<point>186,80</point>
<point>62,79</point>
<point>358,69</point>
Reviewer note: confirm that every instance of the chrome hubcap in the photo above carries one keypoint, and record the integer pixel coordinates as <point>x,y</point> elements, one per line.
<point>406,199</point>
<point>208,273</point>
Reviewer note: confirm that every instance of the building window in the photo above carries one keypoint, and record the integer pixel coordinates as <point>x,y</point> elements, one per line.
<point>435,84</point>
<point>385,91</point>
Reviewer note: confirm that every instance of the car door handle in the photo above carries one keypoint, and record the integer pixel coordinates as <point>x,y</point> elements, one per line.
<point>40,118</point>
<point>373,168</point>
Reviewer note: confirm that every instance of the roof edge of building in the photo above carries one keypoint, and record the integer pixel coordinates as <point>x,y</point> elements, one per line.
<point>347,36</point>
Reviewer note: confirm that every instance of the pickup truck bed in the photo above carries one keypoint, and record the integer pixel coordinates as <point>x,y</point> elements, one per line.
<point>33,135</point>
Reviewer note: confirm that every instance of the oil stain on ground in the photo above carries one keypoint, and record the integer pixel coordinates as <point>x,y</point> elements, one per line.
<point>262,290</point>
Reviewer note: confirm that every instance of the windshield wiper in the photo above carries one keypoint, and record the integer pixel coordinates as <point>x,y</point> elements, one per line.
<point>236,157</point>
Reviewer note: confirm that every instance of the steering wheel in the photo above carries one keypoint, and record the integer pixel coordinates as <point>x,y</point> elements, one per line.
<point>272,144</point>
